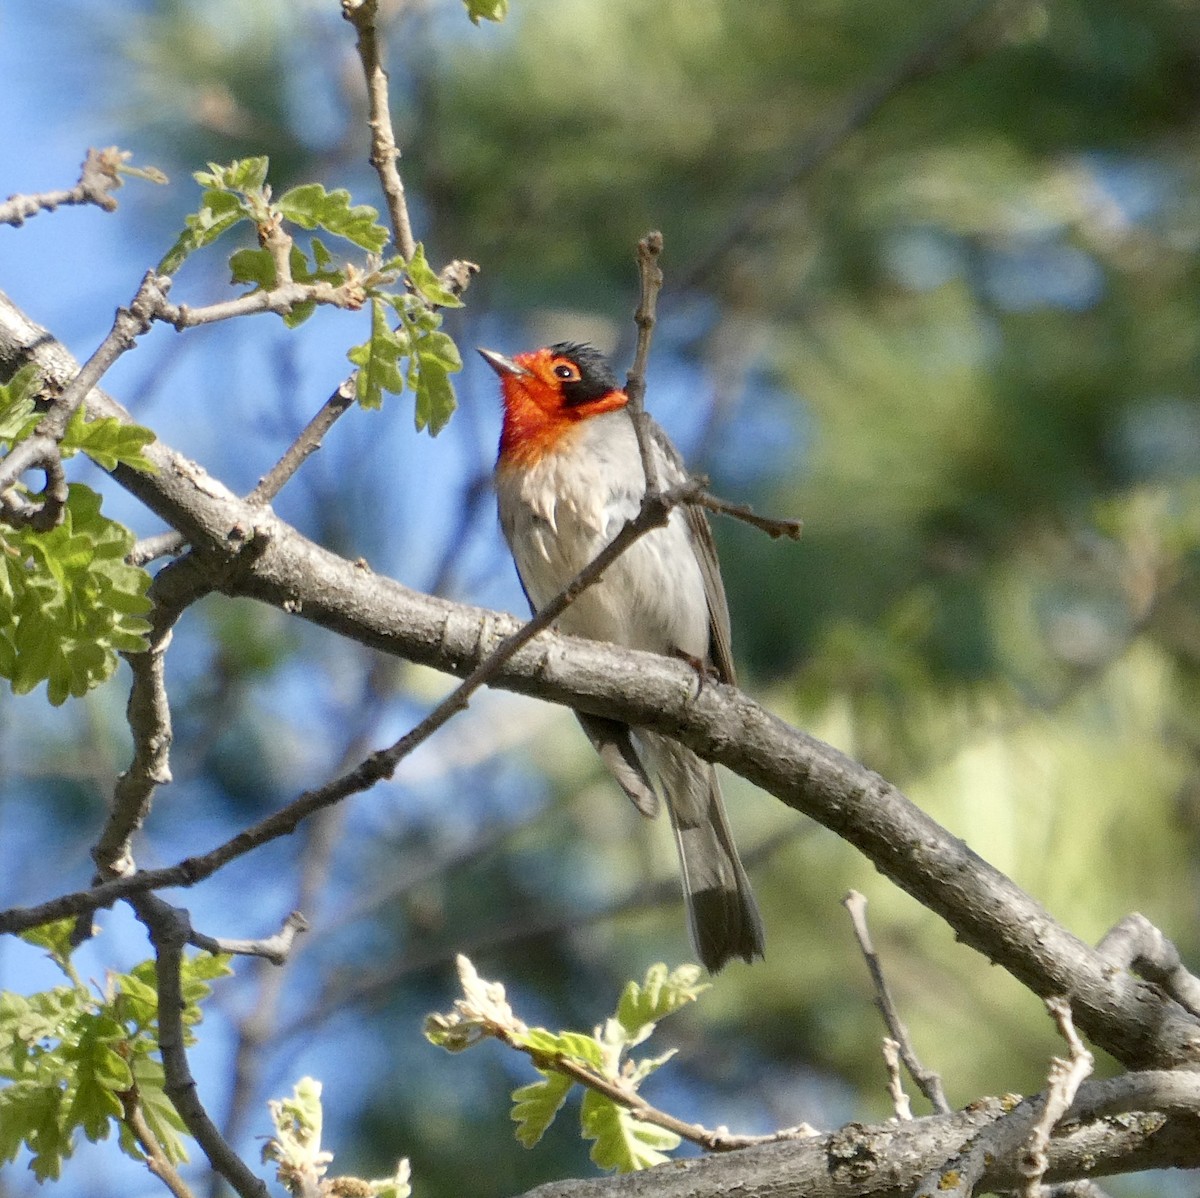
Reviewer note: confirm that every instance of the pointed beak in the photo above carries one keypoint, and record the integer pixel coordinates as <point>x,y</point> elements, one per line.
<point>500,364</point>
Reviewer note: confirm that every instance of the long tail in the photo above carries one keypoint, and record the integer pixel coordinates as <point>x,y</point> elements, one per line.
<point>722,914</point>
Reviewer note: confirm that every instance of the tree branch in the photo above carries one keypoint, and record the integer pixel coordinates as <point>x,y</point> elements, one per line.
<point>888,1160</point>
<point>651,280</point>
<point>169,931</point>
<point>99,176</point>
<point>384,153</point>
<point>157,1160</point>
<point>275,949</point>
<point>774,528</point>
<point>1136,944</point>
<point>250,552</point>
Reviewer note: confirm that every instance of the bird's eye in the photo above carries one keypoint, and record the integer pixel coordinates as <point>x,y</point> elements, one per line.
<point>565,372</point>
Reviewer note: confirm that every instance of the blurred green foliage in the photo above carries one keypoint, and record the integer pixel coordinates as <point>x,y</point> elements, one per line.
<point>78,1061</point>
<point>963,347</point>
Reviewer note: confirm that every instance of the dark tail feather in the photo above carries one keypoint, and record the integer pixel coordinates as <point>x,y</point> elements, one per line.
<point>723,916</point>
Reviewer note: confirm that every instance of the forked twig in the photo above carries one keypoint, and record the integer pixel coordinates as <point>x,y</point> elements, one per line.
<point>927,1080</point>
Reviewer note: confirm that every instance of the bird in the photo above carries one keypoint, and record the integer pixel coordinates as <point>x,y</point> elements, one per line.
<point>568,476</point>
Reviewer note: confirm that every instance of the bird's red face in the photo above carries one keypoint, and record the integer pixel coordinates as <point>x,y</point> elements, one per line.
<point>547,393</point>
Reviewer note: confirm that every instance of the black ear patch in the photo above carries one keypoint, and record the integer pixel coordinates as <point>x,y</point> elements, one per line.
<point>596,378</point>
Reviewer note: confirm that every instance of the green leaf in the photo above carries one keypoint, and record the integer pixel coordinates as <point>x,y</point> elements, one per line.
<point>195,974</point>
<point>99,1071</point>
<point>253,266</point>
<point>378,360</point>
<point>321,269</point>
<point>55,938</point>
<point>68,600</point>
<point>233,194</point>
<point>535,1105</point>
<point>158,1110</point>
<point>137,1001</point>
<point>435,396</point>
<point>39,1111</point>
<point>486,10</point>
<point>661,994</point>
<point>219,212</point>
<point>109,442</point>
<point>18,415</point>
<point>576,1045</point>
<point>647,1066</point>
<point>426,283</point>
<point>312,207</point>
<point>622,1142</point>
<point>242,175</point>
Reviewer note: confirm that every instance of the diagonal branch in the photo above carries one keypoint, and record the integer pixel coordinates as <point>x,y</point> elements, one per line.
<point>252,553</point>
<point>888,1160</point>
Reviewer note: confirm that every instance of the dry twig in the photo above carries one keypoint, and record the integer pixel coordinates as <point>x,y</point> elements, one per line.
<point>1063,1082</point>
<point>651,279</point>
<point>928,1081</point>
<point>99,176</point>
<point>384,153</point>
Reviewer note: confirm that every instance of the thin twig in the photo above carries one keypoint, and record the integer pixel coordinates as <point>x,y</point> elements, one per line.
<point>35,453</point>
<point>1064,1080</point>
<point>891,1058</point>
<point>774,528</point>
<point>651,279</point>
<point>710,1139</point>
<point>928,1081</point>
<point>271,483</point>
<point>157,1160</point>
<point>280,299</point>
<point>148,714</point>
<point>384,153</point>
<point>275,949</point>
<point>307,443</point>
<point>98,176</point>
<point>149,549</point>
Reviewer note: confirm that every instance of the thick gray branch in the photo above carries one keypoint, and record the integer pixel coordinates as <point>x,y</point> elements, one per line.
<point>251,553</point>
<point>888,1160</point>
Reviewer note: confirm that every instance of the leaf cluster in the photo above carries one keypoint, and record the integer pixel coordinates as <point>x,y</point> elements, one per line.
<point>414,353</point>
<point>69,603</point>
<point>302,1163</point>
<point>239,192</point>
<point>600,1062</point>
<point>73,1060</point>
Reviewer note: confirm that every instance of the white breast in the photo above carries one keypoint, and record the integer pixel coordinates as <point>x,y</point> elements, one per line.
<point>558,514</point>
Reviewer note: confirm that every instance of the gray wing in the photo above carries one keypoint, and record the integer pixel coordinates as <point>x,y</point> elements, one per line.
<point>719,636</point>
